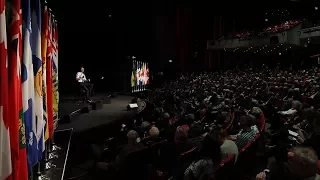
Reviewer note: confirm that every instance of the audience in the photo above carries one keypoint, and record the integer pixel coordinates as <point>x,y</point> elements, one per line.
<point>285,26</point>
<point>198,110</point>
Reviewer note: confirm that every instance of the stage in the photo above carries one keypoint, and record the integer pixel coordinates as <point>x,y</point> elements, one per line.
<point>92,127</point>
<point>113,109</point>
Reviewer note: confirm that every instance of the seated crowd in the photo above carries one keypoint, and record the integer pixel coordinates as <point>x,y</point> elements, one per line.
<point>244,34</point>
<point>285,26</point>
<point>238,124</point>
<point>281,27</point>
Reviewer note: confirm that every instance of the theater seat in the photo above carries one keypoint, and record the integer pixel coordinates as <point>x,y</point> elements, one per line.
<point>246,147</point>
<point>247,158</point>
<point>262,123</point>
<point>225,170</point>
<point>187,157</point>
<point>184,160</point>
<point>230,123</point>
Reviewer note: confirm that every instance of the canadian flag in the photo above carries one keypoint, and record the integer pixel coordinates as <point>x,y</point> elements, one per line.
<point>5,155</point>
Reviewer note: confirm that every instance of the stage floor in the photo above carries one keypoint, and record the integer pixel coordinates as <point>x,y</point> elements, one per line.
<point>109,113</point>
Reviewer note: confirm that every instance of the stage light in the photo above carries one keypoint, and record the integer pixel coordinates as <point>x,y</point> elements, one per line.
<point>316,8</point>
<point>279,54</point>
<point>170,61</point>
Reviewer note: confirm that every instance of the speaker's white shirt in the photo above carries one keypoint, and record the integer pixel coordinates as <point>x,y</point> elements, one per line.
<point>81,76</point>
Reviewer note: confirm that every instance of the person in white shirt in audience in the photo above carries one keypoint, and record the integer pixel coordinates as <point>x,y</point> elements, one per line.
<point>228,147</point>
<point>84,83</point>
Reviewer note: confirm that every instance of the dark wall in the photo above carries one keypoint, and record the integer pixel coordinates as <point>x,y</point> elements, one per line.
<point>88,37</point>
<point>163,35</point>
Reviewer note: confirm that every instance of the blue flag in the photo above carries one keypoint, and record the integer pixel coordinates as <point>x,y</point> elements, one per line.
<point>37,68</point>
<point>28,88</point>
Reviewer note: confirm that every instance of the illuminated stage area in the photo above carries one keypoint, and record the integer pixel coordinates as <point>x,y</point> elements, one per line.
<point>113,109</point>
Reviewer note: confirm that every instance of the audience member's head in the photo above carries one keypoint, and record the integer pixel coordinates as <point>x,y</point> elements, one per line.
<point>256,111</point>
<point>154,132</point>
<point>132,136</point>
<point>296,105</point>
<point>196,130</point>
<point>190,118</point>
<point>181,135</point>
<point>166,116</point>
<point>302,163</point>
<point>245,122</point>
<point>219,134</point>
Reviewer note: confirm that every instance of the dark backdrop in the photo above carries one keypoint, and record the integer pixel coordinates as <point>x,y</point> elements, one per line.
<point>88,37</point>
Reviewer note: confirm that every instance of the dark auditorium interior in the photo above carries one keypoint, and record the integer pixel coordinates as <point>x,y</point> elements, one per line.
<point>244,77</point>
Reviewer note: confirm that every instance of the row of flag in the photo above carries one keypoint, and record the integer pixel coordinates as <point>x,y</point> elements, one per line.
<point>140,73</point>
<point>28,85</point>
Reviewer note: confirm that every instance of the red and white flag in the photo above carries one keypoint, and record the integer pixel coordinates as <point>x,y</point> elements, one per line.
<point>17,124</point>
<point>5,155</point>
